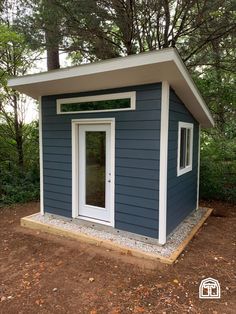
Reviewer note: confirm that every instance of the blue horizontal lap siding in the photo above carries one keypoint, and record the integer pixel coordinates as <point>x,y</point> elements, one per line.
<point>137,141</point>
<point>182,190</point>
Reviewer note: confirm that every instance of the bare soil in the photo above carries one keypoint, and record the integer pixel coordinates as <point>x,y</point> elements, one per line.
<point>41,273</point>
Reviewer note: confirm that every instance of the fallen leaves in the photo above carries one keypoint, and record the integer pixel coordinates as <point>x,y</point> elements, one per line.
<point>91,279</point>
<point>115,310</point>
<point>42,266</point>
<point>115,288</point>
<point>139,309</point>
<point>25,284</point>
<point>39,301</point>
<point>3,298</point>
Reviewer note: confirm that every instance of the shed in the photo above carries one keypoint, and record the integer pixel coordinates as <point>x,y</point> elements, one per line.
<point>119,141</point>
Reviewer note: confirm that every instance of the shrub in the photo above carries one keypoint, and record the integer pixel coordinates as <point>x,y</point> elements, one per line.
<point>19,188</point>
<point>218,169</point>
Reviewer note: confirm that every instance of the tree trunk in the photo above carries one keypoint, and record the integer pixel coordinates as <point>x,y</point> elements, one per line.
<point>220,106</point>
<point>18,134</point>
<point>52,34</point>
<point>53,61</point>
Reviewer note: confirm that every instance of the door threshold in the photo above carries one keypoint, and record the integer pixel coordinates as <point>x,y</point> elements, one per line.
<point>92,221</point>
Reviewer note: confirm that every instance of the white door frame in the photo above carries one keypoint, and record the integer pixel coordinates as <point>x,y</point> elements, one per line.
<point>75,167</point>
<point>88,209</point>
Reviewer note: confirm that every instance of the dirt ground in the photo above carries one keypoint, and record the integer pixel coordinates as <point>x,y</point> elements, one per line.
<point>42,273</point>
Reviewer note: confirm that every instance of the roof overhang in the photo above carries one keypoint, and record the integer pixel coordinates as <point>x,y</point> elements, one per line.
<point>144,68</point>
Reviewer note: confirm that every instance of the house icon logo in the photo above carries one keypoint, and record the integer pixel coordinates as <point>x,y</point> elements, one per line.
<point>209,289</point>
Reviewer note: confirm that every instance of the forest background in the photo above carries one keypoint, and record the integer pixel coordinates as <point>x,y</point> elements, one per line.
<point>203,31</point>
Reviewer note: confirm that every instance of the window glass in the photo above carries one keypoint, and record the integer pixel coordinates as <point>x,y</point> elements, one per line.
<point>188,147</point>
<point>182,147</point>
<point>96,105</point>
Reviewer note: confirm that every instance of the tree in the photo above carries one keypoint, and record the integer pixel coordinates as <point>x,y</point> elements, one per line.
<point>90,30</point>
<point>52,37</point>
<point>10,63</point>
<point>203,31</point>
<point>218,148</point>
<point>15,136</point>
<point>125,27</point>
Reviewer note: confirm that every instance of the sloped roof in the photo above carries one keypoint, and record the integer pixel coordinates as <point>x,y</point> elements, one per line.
<point>143,68</point>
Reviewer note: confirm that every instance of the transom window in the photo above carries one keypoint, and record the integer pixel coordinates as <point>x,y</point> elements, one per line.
<point>185,148</point>
<point>99,103</point>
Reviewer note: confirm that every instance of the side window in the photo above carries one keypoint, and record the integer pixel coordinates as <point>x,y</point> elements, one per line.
<point>185,148</point>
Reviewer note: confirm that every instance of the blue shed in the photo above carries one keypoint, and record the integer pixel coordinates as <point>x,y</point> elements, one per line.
<point>119,141</point>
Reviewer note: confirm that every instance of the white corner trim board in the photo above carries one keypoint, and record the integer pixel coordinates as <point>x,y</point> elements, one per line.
<point>41,157</point>
<point>198,166</point>
<point>163,161</point>
<point>126,95</point>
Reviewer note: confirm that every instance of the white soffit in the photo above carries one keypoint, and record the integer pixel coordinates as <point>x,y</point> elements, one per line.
<point>144,68</point>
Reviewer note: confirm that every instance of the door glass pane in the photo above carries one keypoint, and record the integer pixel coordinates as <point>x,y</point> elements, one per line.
<point>182,147</point>
<point>95,168</point>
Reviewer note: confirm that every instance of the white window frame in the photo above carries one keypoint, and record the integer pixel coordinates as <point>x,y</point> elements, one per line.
<point>130,95</point>
<point>188,168</point>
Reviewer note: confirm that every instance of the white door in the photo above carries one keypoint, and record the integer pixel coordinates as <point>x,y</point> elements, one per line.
<point>95,167</point>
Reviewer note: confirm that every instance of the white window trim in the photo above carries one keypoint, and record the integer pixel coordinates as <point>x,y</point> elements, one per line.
<point>75,167</point>
<point>130,95</point>
<point>190,167</point>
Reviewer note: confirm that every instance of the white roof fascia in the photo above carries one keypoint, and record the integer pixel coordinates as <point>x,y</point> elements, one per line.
<point>144,68</point>
<point>146,58</point>
<point>179,62</point>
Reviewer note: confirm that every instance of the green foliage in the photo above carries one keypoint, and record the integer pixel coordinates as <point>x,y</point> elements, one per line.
<point>16,184</point>
<point>19,189</point>
<point>218,169</point>
<point>14,54</point>
<point>87,30</point>
<point>91,30</point>
<point>218,145</point>
<point>19,164</point>
<point>8,36</point>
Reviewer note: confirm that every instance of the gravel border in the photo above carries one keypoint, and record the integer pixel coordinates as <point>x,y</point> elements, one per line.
<point>173,241</point>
